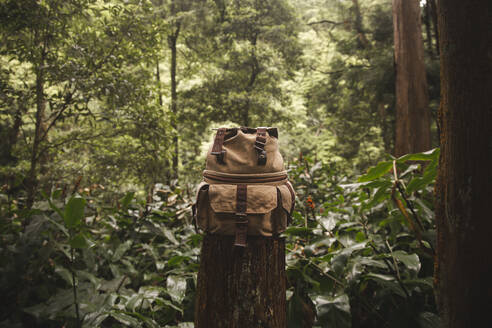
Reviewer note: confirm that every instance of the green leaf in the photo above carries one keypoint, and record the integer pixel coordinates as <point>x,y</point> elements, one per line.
<point>377,171</point>
<point>134,301</point>
<point>65,274</point>
<point>80,241</point>
<point>382,277</point>
<point>74,212</point>
<point>176,287</point>
<point>333,311</point>
<point>411,261</point>
<point>425,156</point>
<point>419,183</point>
<point>126,319</point>
<point>387,282</point>
<point>125,201</point>
<point>175,260</point>
<point>120,250</point>
<point>57,193</point>
<point>169,235</point>
<point>298,231</point>
<point>58,225</point>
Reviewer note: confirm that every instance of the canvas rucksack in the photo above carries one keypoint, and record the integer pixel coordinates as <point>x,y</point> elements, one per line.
<point>245,189</point>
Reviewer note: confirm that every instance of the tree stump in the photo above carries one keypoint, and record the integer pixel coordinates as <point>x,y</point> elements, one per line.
<point>241,287</point>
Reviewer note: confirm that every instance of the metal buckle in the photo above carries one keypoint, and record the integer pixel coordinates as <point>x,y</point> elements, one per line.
<point>219,155</point>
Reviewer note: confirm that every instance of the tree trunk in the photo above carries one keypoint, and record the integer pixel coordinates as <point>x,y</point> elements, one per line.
<point>412,99</point>
<point>172,40</point>
<point>32,179</point>
<point>362,41</point>
<point>174,99</point>
<point>434,22</point>
<point>241,287</point>
<point>428,33</point>
<point>7,156</point>
<point>464,187</point>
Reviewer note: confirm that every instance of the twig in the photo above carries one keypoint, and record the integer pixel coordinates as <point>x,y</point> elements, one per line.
<point>325,21</point>
<point>394,260</point>
<point>77,313</point>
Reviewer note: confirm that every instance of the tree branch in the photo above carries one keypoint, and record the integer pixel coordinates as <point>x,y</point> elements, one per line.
<point>325,21</point>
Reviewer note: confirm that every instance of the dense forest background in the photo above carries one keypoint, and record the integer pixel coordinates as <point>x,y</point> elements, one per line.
<point>107,110</point>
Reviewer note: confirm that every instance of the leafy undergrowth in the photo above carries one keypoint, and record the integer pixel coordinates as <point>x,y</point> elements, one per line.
<point>358,254</point>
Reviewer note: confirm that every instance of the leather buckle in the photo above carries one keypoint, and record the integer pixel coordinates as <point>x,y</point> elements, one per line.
<point>241,218</point>
<point>262,158</point>
<point>219,156</point>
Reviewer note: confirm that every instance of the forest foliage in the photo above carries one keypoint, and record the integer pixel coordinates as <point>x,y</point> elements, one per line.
<point>95,217</point>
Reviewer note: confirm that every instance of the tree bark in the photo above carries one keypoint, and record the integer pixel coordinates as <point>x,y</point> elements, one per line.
<point>428,33</point>
<point>39,131</point>
<point>412,99</point>
<point>173,38</point>
<point>463,272</point>
<point>434,22</point>
<point>361,35</point>
<point>241,287</point>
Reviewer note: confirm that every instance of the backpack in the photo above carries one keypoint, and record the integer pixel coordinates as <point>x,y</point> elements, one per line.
<point>245,188</point>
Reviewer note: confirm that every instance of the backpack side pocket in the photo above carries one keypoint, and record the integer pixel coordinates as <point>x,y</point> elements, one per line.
<point>201,206</point>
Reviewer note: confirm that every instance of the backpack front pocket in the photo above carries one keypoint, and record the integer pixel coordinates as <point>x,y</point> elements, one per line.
<point>217,209</point>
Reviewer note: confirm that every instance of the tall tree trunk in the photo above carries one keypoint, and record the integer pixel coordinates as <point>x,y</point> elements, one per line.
<point>428,33</point>
<point>434,22</point>
<point>32,179</point>
<point>255,70</point>
<point>464,187</point>
<point>362,39</point>
<point>241,287</point>
<point>13,134</point>
<point>173,39</point>
<point>412,99</point>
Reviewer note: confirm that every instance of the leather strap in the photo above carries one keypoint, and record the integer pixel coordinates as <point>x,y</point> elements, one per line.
<point>260,145</point>
<point>217,147</point>
<point>241,218</point>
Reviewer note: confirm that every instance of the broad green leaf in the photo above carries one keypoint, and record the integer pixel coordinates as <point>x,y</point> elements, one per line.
<point>81,274</point>
<point>377,171</point>
<point>419,183</point>
<point>80,241</point>
<point>120,250</point>
<point>411,261</point>
<point>65,274</point>
<point>134,301</point>
<point>333,311</point>
<point>126,319</point>
<point>176,287</point>
<point>74,212</point>
<point>425,156</point>
<point>382,277</point>
<point>169,235</point>
<point>328,222</point>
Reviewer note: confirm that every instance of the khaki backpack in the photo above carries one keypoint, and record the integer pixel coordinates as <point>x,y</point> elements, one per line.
<point>245,189</point>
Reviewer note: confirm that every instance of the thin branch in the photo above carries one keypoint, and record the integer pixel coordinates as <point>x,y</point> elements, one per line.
<point>325,21</point>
